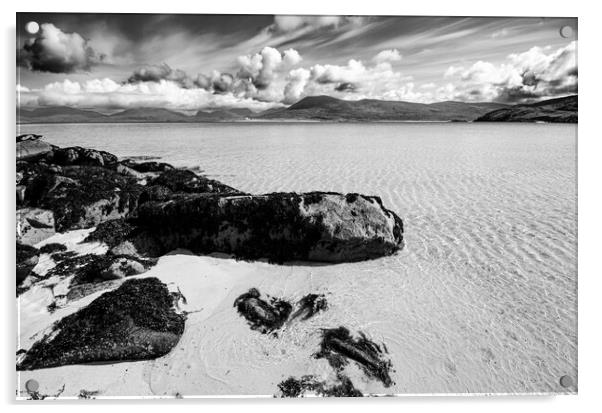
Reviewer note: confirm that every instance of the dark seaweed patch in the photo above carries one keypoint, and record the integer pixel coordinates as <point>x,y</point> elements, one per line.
<point>262,315</point>
<point>53,247</point>
<point>293,387</point>
<point>338,347</point>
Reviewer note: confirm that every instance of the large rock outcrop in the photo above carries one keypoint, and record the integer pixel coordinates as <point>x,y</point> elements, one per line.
<point>80,196</point>
<point>317,226</point>
<point>137,321</point>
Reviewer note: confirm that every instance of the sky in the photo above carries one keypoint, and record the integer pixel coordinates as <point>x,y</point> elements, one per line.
<point>186,63</point>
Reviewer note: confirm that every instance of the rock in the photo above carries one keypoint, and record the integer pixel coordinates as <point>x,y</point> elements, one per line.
<point>124,170</point>
<point>28,137</point>
<point>83,197</point>
<point>122,267</point>
<point>137,321</point>
<point>32,149</point>
<point>338,347</point>
<point>309,305</point>
<point>261,315</point>
<point>144,167</point>
<point>183,180</point>
<point>112,232</point>
<point>293,387</point>
<point>34,225</point>
<point>155,193</point>
<point>27,259</point>
<point>92,268</point>
<point>315,226</point>
<point>77,155</point>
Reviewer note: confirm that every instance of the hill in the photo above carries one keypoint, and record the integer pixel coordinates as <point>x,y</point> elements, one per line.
<point>333,109</point>
<point>559,110</point>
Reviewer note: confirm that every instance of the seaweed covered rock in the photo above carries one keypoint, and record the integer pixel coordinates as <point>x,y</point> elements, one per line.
<point>112,232</point>
<point>293,387</point>
<point>149,166</point>
<point>338,347</point>
<point>183,180</point>
<point>27,259</point>
<point>34,225</point>
<point>92,268</point>
<point>315,226</point>
<point>137,321</point>
<point>76,155</point>
<point>262,315</point>
<point>83,197</point>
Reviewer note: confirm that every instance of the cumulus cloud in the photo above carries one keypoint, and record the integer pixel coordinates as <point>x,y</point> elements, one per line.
<point>296,81</point>
<point>55,51</point>
<point>360,80</point>
<point>262,68</point>
<point>535,74</point>
<point>391,55</point>
<point>108,94</point>
<point>156,73</point>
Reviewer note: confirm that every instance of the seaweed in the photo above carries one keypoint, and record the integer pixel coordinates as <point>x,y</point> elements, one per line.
<point>53,247</point>
<point>293,387</point>
<point>338,347</point>
<point>262,315</point>
<point>309,305</point>
<point>112,232</point>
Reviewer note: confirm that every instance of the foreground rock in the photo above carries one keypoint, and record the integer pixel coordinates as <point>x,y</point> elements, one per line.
<point>30,147</point>
<point>27,259</point>
<point>338,347</point>
<point>80,196</point>
<point>137,321</point>
<point>76,155</point>
<point>34,225</point>
<point>317,226</point>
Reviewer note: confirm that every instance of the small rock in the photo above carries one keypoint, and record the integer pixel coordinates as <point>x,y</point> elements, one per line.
<point>34,225</point>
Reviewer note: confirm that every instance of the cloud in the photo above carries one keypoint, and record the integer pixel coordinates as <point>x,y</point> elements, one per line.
<point>156,73</point>
<point>55,51</point>
<point>535,74</point>
<point>391,55</point>
<point>289,23</point>
<point>373,81</point>
<point>109,95</point>
<point>296,81</point>
<point>262,68</point>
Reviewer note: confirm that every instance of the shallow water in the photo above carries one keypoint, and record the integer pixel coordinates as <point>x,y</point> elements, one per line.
<point>482,298</point>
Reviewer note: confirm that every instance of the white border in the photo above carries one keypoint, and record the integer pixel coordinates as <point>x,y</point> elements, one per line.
<point>589,206</point>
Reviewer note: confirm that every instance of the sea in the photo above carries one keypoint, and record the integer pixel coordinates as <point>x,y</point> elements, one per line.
<point>483,296</point>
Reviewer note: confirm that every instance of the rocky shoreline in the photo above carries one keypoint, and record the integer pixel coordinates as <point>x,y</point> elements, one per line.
<point>139,212</point>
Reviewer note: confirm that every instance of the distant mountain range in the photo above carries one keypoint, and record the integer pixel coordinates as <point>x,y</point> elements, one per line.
<point>331,109</point>
<point>326,108</point>
<point>561,110</point>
